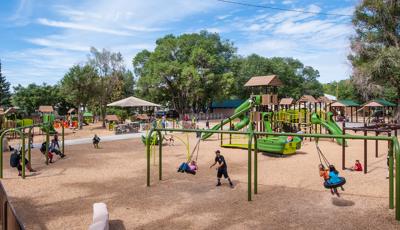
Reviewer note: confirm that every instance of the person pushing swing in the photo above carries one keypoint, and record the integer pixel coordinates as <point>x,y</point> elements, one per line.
<point>222,168</point>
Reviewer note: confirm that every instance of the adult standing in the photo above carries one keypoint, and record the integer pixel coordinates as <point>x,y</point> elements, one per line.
<point>222,168</point>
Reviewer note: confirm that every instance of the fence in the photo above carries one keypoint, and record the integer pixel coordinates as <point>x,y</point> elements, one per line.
<point>203,116</point>
<point>8,218</point>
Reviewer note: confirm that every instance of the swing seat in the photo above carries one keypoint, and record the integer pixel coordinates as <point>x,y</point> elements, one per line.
<point>328,185</point>
<point>184,167</point>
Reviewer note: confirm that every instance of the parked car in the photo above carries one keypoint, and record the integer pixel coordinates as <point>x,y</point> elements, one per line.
<point>173,114</point>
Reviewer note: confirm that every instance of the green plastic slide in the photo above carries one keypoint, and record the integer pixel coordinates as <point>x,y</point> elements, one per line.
<point>329,124</point>
<point>240,112</point>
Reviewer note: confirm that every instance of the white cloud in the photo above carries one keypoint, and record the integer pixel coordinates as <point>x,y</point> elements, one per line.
<point>77,26</point>
<point>287,2</point>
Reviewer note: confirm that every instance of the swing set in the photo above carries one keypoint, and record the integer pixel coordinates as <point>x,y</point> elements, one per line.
<point>393,153</point>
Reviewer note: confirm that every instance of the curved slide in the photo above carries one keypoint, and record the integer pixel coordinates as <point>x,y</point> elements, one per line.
<point>329,124</point>
<point>240,112</point>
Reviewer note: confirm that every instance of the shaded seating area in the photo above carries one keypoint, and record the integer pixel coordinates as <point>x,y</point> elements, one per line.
<point>378,111</point>
<point>344,110</point>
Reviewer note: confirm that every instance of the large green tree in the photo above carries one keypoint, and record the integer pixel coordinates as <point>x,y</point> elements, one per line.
<point>78,87</point>
<point>29,98</point>
<point>297,79</point>
<point>375,48</point>
<point>5,94</point>
<point>186,72</point>
<point>115,81</point>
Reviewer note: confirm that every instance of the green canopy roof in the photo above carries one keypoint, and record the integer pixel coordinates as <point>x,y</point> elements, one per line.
<point>348,102</point>
<point>384,102</point>
<point>88,114</point>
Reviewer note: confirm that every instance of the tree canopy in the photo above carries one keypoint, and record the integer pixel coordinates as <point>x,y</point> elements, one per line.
<point>375,48</point>
<point>5,94</point>
<point>190,70</point>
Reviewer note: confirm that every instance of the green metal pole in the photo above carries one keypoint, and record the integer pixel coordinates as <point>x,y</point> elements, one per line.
<point>391,176</point>
<point>397,182</point>
<point>249,168</point>
<point>148,156</point>
<point>47,147</point>
<point>29,143</point>
<point>255,165</point>
<point>222,128</point>
<point>63,137</point>
<point>160,139</point>
<point>1,154</point>
<point>23,153</point>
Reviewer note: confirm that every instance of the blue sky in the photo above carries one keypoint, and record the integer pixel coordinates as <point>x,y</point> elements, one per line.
<point>41,39</point>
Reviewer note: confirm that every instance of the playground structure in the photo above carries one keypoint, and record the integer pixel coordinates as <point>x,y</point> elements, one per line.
<point>22,136</point>
<point>393,153</point>
<point>263,112</point>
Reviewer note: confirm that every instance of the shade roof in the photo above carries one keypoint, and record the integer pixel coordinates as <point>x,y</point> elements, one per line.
<point>287,101</point>
<point>72,110</point>
<point>227,103</point>
<point>324,99</point>
<point>372,104</point>
<point>345,103</point>
<point>271,80</point>
<point>384,102</point>
<point>46,109</point>
<point>133,102</point>
<point>112,118</point>
<point>307,98</point>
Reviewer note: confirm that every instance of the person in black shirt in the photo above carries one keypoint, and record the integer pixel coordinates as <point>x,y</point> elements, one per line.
<point>222,168</point>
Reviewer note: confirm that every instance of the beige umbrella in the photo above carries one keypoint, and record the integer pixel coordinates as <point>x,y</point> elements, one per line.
<point>133,102</point>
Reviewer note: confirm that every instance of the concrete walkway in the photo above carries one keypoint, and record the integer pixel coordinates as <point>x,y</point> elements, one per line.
<point>103,139</point>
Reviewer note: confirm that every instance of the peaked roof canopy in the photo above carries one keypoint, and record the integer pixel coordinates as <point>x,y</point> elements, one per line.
<point>384,102</point>
<point>373,104</point>
<point>287,101</point>
<point>133,102</point>
<point>345,103</point>
<point>46,109</point>
<point>271,80</point>
<point>307,98</point>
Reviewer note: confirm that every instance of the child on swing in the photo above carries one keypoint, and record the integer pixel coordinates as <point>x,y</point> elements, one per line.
<point>334,179</point>
<point>188,168</point>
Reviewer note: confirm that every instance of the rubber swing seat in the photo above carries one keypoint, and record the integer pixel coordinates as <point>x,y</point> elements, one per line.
<point>335,185</point>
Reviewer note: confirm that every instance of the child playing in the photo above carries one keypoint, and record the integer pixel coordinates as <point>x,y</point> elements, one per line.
<point>96,141</point>
<point>188,168</point>
<point>357,166</point>
<point>324,173</point>
<point>43,151</point>
<point>192,167</point>
<point>16,162</point>
<point>334,179</point>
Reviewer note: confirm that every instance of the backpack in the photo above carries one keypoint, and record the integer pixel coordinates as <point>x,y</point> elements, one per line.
<point>14,159</point>
<point>43,147</point>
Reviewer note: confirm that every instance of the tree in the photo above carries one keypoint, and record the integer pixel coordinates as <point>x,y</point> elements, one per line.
<point>31,97</point>
<point>343,89</point>
<point>189,71</point>
<point>110,68</point>
<point>375,47</point>
<point>297,79</point>
<point>78,87</point>
<point>5,94</point>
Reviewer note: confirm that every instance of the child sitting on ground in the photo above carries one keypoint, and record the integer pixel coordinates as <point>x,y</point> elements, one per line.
<point>357,166</point>
<point>96,141</point>
<point>16,162</point>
